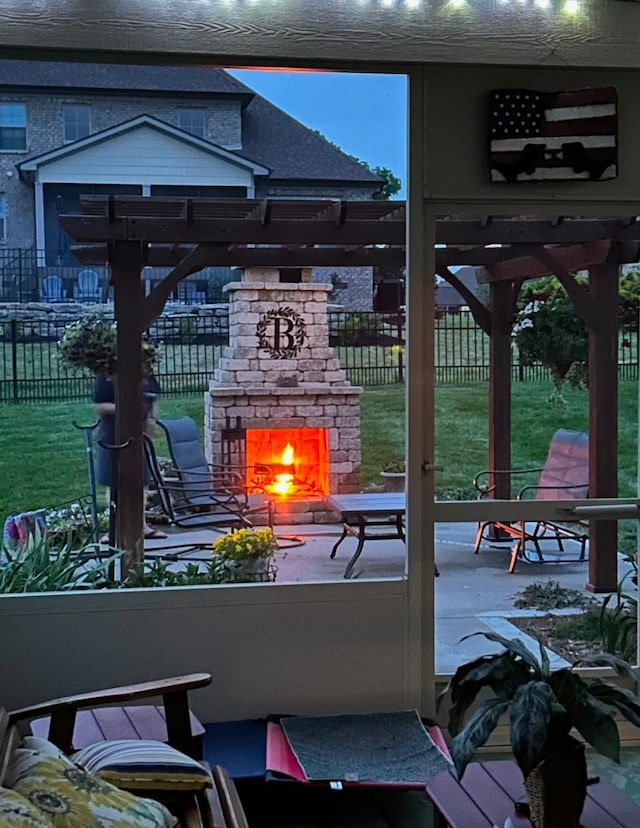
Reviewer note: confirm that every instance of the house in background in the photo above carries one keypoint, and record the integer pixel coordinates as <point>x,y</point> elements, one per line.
<point>68,129</point>
<point>448,299</point>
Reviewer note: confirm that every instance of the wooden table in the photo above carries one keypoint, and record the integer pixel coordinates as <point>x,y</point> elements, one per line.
<point>361,512</point>
<point>488,791</point>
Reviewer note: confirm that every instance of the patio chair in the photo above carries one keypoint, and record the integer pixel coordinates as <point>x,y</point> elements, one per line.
<point>52,289</point>
<point>199,480</point>
<point>201,797</point>
<point>208,503</point>
<point>564,476</point>
<point>88,287</point>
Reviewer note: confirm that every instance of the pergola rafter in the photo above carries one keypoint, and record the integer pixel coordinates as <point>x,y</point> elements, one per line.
<point>188,234</point>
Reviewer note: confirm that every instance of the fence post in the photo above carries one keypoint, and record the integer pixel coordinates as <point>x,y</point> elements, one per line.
<point>14,358</point>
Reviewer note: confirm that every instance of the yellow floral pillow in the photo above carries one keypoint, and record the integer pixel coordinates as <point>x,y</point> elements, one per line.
<point>18,812</point>
<point>73,798</point>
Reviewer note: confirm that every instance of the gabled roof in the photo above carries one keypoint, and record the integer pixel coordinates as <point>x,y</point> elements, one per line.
<point>271,138</point>
<point>31,164</point>
<point>292,150</point>
<point>97,77</point>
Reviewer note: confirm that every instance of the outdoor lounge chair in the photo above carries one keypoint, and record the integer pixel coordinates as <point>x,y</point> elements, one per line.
<point>201,505</point>
<point>564,476</point>
<point>78,721</point>
<point>202,495</point>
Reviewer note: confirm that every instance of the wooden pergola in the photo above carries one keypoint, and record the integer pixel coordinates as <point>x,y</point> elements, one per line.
<point>186,234</point>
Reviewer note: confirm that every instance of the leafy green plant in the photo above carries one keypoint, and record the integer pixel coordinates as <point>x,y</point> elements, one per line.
<point>395,467</point>
<point>71,525</point>
<point>90,345</point>
<point>546,595</point>
<point>158,573</point>
<point>547,330</point>
<point>544,704</point>
<point>35,567</point>
<point>618,622</point>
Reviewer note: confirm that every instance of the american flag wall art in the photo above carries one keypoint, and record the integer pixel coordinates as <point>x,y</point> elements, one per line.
<point>553,136</point>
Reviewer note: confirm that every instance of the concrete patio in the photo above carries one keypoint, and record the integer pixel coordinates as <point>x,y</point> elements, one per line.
<point>473,592</point>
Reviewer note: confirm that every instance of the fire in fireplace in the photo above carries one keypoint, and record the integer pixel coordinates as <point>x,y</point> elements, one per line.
<point>297,460</point>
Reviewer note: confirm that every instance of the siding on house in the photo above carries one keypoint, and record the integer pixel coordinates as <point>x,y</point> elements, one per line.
<point>145,156</point>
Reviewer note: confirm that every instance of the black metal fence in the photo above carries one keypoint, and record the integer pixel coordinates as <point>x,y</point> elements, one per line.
<point>32,276</point>
<point>370,347</point>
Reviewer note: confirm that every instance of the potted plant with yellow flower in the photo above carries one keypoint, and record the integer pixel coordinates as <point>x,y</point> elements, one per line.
<point>245,555</point>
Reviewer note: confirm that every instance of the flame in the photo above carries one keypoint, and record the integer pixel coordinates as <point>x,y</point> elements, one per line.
<point>284,481</point>
<point>283,484</point>
<point>288,455</point>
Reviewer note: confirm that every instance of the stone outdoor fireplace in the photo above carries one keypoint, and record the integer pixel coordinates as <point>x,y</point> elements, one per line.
<point>280,398</point>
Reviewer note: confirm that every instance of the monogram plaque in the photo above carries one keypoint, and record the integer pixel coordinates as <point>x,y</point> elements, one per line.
<point>281,332</point>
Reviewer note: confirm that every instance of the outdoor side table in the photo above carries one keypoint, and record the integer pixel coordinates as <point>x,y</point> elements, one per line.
<point>361,512</point>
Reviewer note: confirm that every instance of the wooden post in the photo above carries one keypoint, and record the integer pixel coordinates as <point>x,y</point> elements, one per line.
<point>603,423</point>
<point>129,516</point>
<point>501,307</point>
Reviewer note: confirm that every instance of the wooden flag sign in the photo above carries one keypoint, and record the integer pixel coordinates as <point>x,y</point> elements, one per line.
<point>553,136</point>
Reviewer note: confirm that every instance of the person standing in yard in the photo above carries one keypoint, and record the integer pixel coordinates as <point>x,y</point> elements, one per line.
<point>104,399</point>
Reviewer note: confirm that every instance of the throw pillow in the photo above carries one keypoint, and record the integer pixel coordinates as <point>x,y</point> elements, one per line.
<point>73,798</point>
<point>143,764</point>
<point>41,746</point>
<point>17,812</point>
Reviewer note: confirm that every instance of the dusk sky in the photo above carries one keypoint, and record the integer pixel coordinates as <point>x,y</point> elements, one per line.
<point>364,114</point>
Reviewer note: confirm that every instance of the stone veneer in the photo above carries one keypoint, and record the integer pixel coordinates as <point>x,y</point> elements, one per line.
<point>308,390</point>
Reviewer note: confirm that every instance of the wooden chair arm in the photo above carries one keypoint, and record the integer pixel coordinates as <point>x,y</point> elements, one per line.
<point>174,696</point>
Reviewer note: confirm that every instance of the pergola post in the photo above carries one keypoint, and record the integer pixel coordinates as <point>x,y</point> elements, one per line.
<point>501,307</point>
<point>129,513</point>
<point>603,423</point>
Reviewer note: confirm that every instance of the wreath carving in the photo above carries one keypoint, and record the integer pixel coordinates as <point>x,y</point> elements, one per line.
<point>281,332</point>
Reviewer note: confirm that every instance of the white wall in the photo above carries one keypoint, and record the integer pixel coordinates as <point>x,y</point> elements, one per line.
<point>313,649</point>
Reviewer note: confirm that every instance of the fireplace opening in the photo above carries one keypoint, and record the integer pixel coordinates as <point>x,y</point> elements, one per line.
<point>296,461</point>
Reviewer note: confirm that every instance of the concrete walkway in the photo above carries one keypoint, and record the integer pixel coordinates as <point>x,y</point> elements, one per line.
<point>473,593</point>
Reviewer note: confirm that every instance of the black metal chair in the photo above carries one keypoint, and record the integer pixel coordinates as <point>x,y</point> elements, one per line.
<point>202,495</point>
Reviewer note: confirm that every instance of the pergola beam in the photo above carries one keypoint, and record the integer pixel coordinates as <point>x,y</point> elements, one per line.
<point>232,231</point>
<point>239,256</point>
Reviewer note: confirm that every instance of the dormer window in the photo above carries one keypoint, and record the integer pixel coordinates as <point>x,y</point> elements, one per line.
<point>76,120</point>
<point>193,121</point>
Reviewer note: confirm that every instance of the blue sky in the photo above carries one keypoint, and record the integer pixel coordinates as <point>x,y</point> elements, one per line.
<point>364,114</point>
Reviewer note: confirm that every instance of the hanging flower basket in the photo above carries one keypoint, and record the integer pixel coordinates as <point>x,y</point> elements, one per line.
<point>90,344</point>
<point>548,332</point>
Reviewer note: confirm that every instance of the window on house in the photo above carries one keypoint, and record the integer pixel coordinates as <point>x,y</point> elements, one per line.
<point>3,218</point>
<point>76,119</point>
<point>13,126</point>
<point>193,121</point>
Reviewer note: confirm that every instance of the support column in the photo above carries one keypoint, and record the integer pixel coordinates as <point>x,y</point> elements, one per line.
<point>126,265</point>
<point>603,423</point>
<point>501,307</point>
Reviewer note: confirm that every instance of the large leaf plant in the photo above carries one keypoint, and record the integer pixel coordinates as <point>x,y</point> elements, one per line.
<point>544,704</point>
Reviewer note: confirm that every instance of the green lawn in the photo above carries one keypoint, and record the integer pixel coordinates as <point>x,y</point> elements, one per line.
<point>43,459</point>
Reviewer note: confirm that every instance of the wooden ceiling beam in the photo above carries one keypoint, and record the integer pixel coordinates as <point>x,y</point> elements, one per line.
<point>236,256</point>
<point>574,257</point>
<point>524,231</point>
<point>233,231</point>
